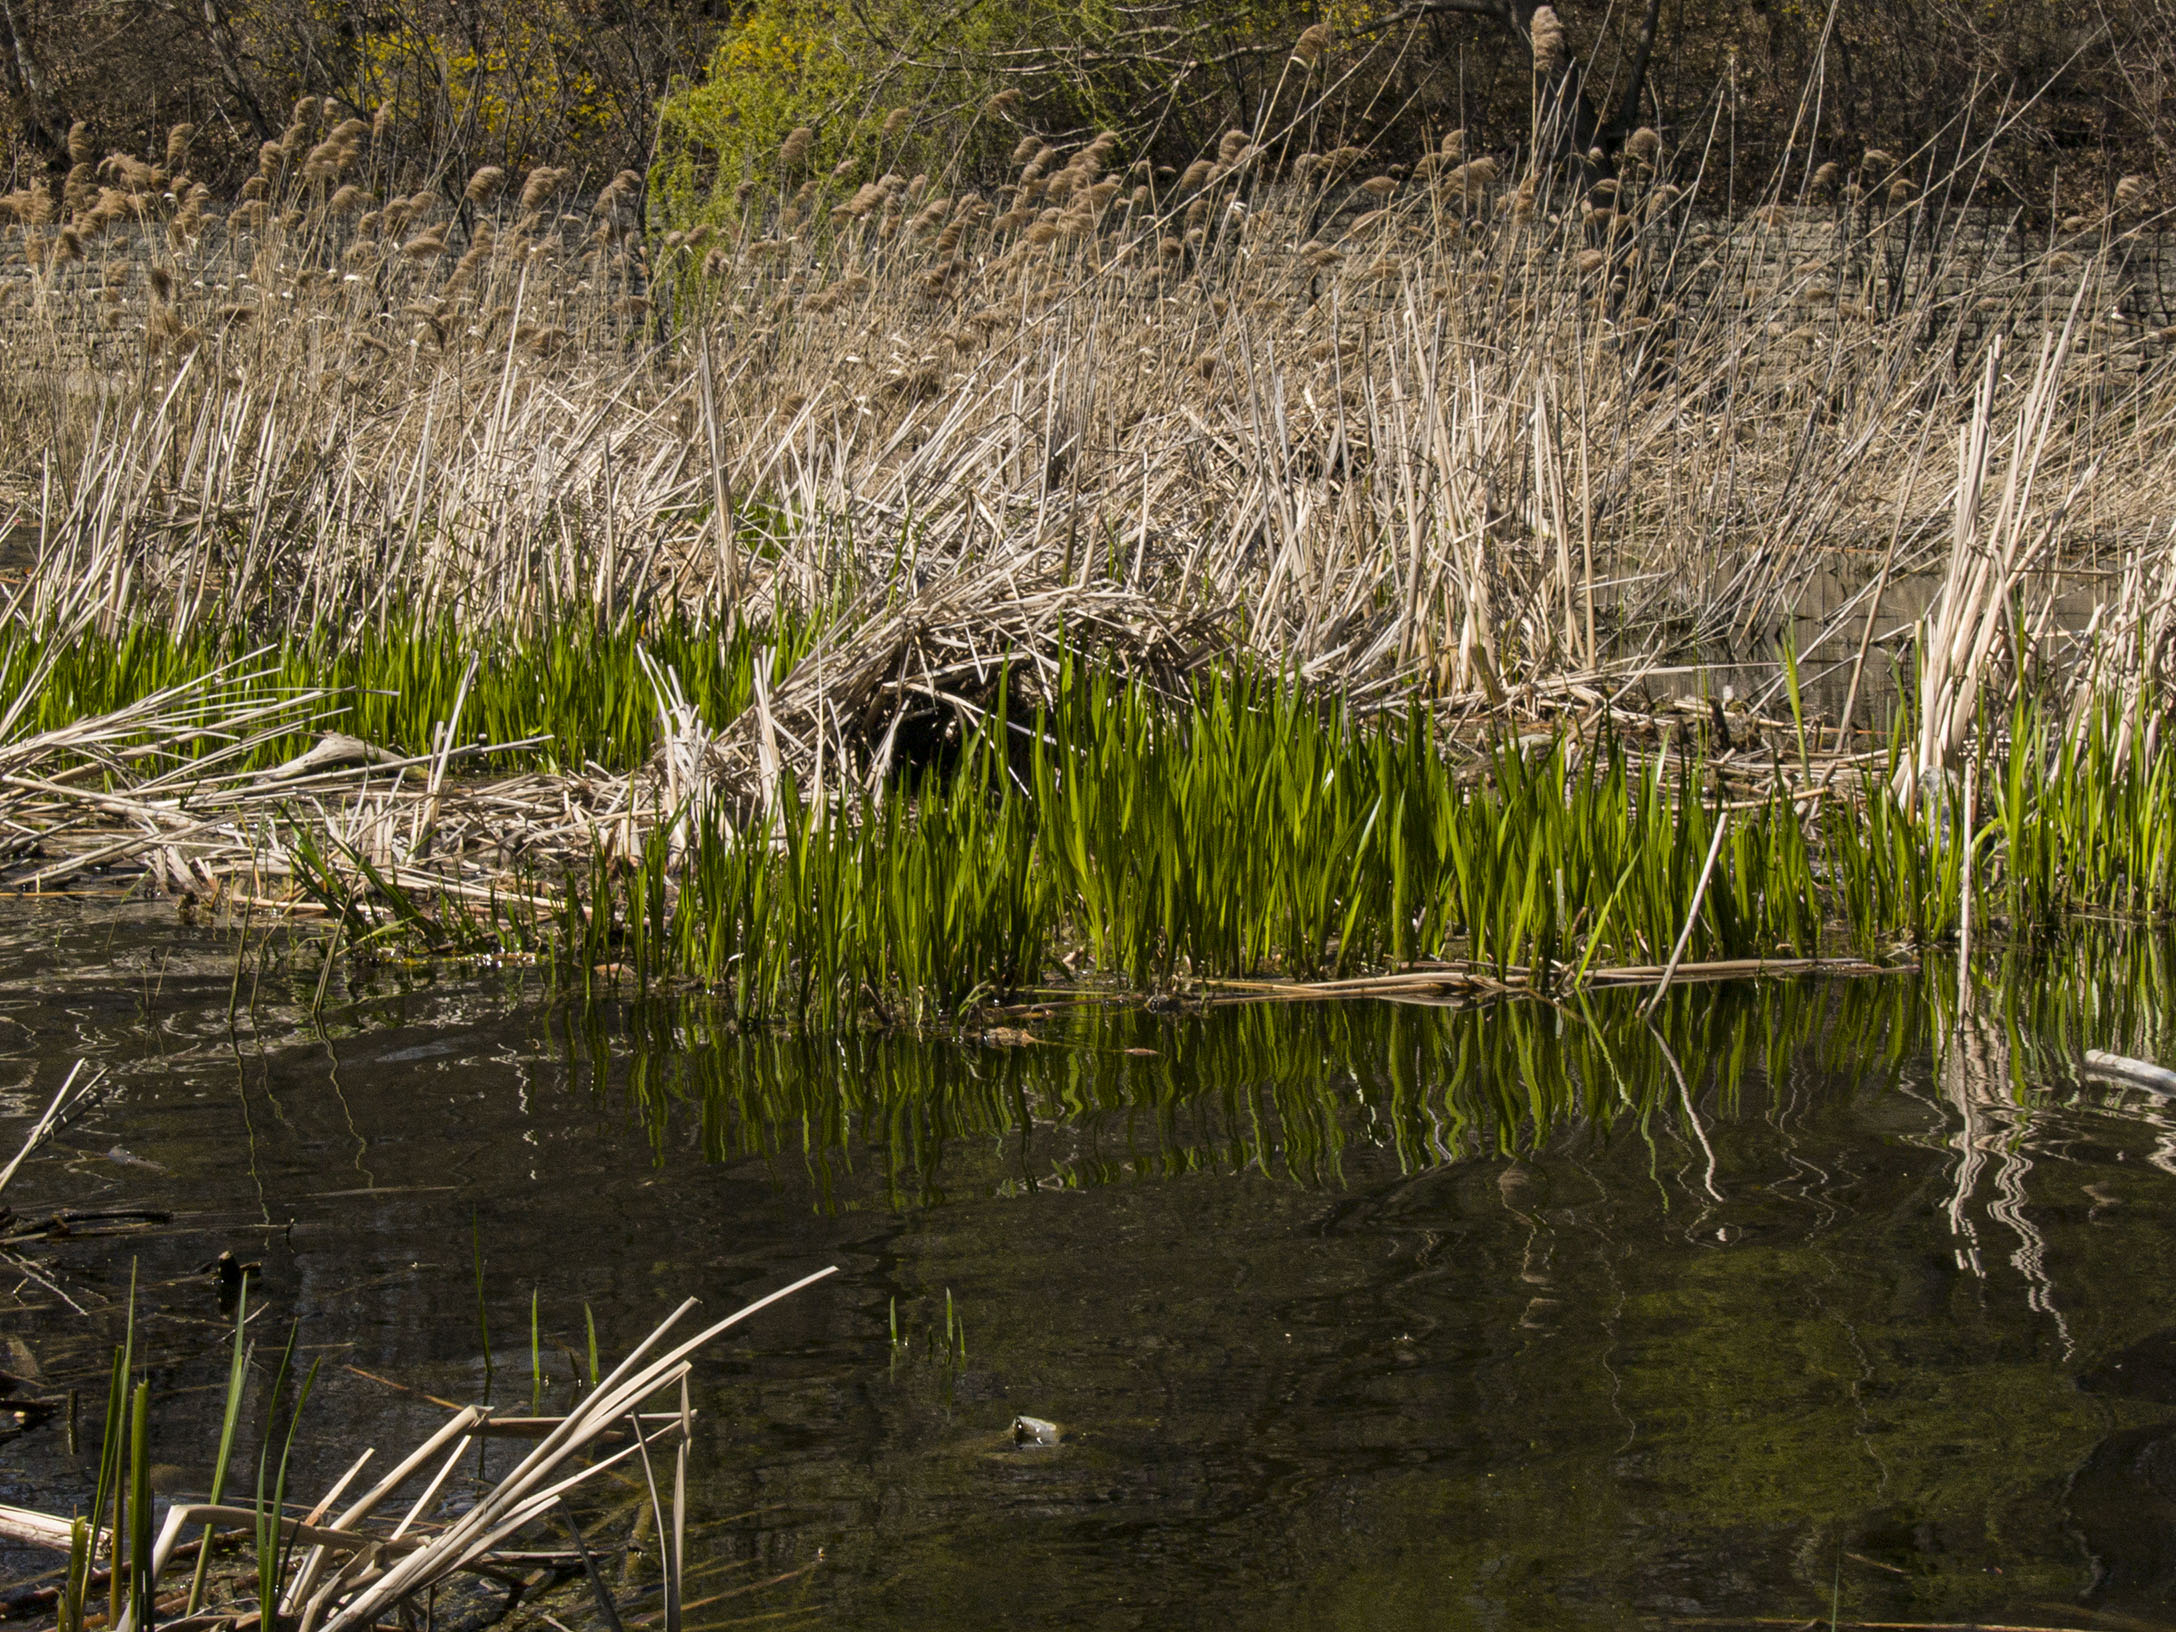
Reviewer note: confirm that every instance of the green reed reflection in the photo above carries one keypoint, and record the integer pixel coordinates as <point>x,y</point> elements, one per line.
<point>1107,1094</point>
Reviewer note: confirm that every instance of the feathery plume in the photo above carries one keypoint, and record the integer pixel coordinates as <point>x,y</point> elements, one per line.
<point>1547,34</point>
<point>542,187</point>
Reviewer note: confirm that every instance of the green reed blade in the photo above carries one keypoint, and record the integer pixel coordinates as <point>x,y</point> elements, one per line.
<point>230,1418</point>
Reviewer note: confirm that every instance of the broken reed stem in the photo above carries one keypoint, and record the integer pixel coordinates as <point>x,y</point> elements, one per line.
<point>1692,913</point>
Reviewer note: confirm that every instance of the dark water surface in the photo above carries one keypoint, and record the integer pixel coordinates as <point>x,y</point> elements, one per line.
<point>1374,1316</point>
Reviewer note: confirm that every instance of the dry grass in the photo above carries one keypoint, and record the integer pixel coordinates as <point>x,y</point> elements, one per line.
<point>1456,430</point>
<point>1449,425</point>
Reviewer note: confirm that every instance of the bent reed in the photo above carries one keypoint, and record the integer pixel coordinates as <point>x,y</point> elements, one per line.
<point>872,596</point>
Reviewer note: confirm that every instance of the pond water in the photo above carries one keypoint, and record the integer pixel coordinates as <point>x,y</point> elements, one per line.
<point>1805,1298</point>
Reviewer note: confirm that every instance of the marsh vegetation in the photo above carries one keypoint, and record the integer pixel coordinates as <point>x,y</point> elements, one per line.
<point>875,590</point>
<point>1157,647</point>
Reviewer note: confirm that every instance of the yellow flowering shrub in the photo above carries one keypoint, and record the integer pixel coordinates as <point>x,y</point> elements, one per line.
<point>782,64</point>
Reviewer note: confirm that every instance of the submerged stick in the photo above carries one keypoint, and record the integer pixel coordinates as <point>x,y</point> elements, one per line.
<point>1480,983</point>
<point>2142,1073</point>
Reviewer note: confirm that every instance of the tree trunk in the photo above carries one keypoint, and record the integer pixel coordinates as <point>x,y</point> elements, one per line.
<point>43,125</point>
<point>219,34</point>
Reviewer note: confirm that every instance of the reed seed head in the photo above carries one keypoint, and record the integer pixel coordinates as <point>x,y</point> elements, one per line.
<point>188,221</point>
<point>1547,35</point>
<point>1002,105</point>
<point>795,148</point>
<point>1235,142</point>
<point>1314,40</point>
<point>79,190</point>
<point>485,185</point>
<point>132,173</point>
<point>329,159</point>
<point>2130,194</point>
<point>162,328</point>
<point>542,187</point>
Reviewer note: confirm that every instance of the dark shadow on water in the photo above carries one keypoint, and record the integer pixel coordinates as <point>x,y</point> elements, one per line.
<point>1365,1315</point>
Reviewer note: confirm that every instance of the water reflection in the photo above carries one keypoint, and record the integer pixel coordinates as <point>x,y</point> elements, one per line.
<point>1391,1316</point>
<point>1104,1093</point>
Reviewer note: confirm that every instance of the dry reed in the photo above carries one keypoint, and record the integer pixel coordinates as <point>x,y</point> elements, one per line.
<point>1474,434</point>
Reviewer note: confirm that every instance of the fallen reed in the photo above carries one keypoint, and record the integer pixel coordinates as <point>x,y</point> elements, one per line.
<point>345,1562</point>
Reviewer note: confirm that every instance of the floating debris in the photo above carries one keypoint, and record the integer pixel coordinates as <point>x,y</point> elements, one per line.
<point>1035,1431</point>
